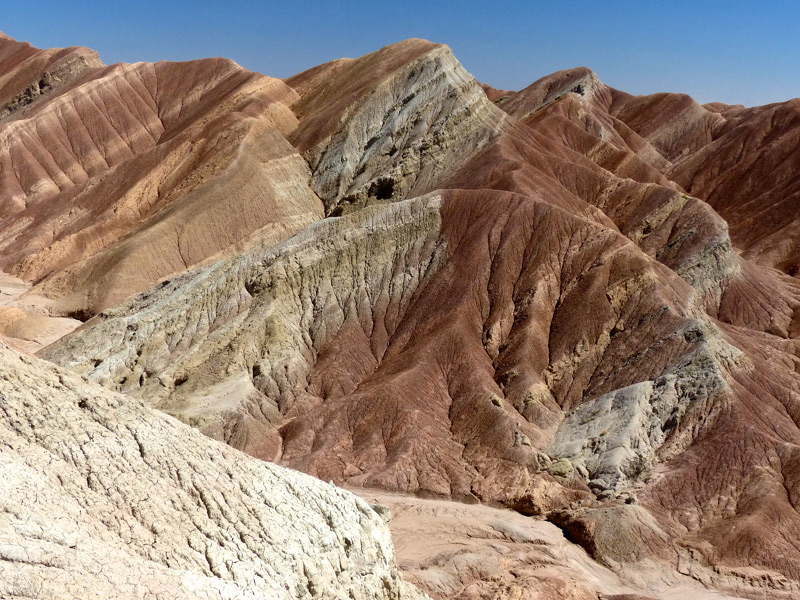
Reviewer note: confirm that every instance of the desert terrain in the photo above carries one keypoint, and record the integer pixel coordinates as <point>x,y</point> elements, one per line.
<point>550,337</point>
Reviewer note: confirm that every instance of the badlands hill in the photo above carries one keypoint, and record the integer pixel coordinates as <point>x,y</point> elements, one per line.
<point>567,301</point>
<point>112,178</point>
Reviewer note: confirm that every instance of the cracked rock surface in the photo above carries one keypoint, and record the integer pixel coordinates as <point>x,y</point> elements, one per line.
<point>102,497</point>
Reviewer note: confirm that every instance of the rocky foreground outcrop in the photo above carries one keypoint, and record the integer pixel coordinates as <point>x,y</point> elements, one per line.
<point>566,300</point>
<point>103,497</point>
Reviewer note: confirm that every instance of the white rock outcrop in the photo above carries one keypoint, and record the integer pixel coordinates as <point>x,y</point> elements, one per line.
<point>102,497</point>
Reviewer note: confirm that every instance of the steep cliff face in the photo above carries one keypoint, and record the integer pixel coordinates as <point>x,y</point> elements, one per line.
<point>529,301</point>
<point>102,496</point>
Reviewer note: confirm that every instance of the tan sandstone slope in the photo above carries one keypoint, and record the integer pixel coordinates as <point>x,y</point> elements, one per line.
<point>561,300</point>
<point>471,551</point>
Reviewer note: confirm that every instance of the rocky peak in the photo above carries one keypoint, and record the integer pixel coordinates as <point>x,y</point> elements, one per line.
<point>418,115</point>
<point>28,74</point>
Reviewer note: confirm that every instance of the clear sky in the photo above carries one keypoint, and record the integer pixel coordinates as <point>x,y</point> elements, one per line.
<point>736,52</point>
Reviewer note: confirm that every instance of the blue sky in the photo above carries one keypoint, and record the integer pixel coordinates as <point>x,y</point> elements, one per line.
<point>735,52</point>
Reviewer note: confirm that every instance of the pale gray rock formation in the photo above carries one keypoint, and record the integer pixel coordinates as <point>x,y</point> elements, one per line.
<point>616,438</point>
<point>208,363</point>
<point>103,497</point>
<point>415,127</point>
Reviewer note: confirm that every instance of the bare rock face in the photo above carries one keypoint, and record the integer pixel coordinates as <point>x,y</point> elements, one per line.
<point>304,293</point>
<point>561,300</point>
<point>616,437</point>
<point>102,496</point>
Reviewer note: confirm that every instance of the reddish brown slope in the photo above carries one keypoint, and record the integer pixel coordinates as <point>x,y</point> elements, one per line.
<point>749,174</point>
<point>131,173</point>
<point>494,94</point>
<point>742,161</point>
<point>576,147</point>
